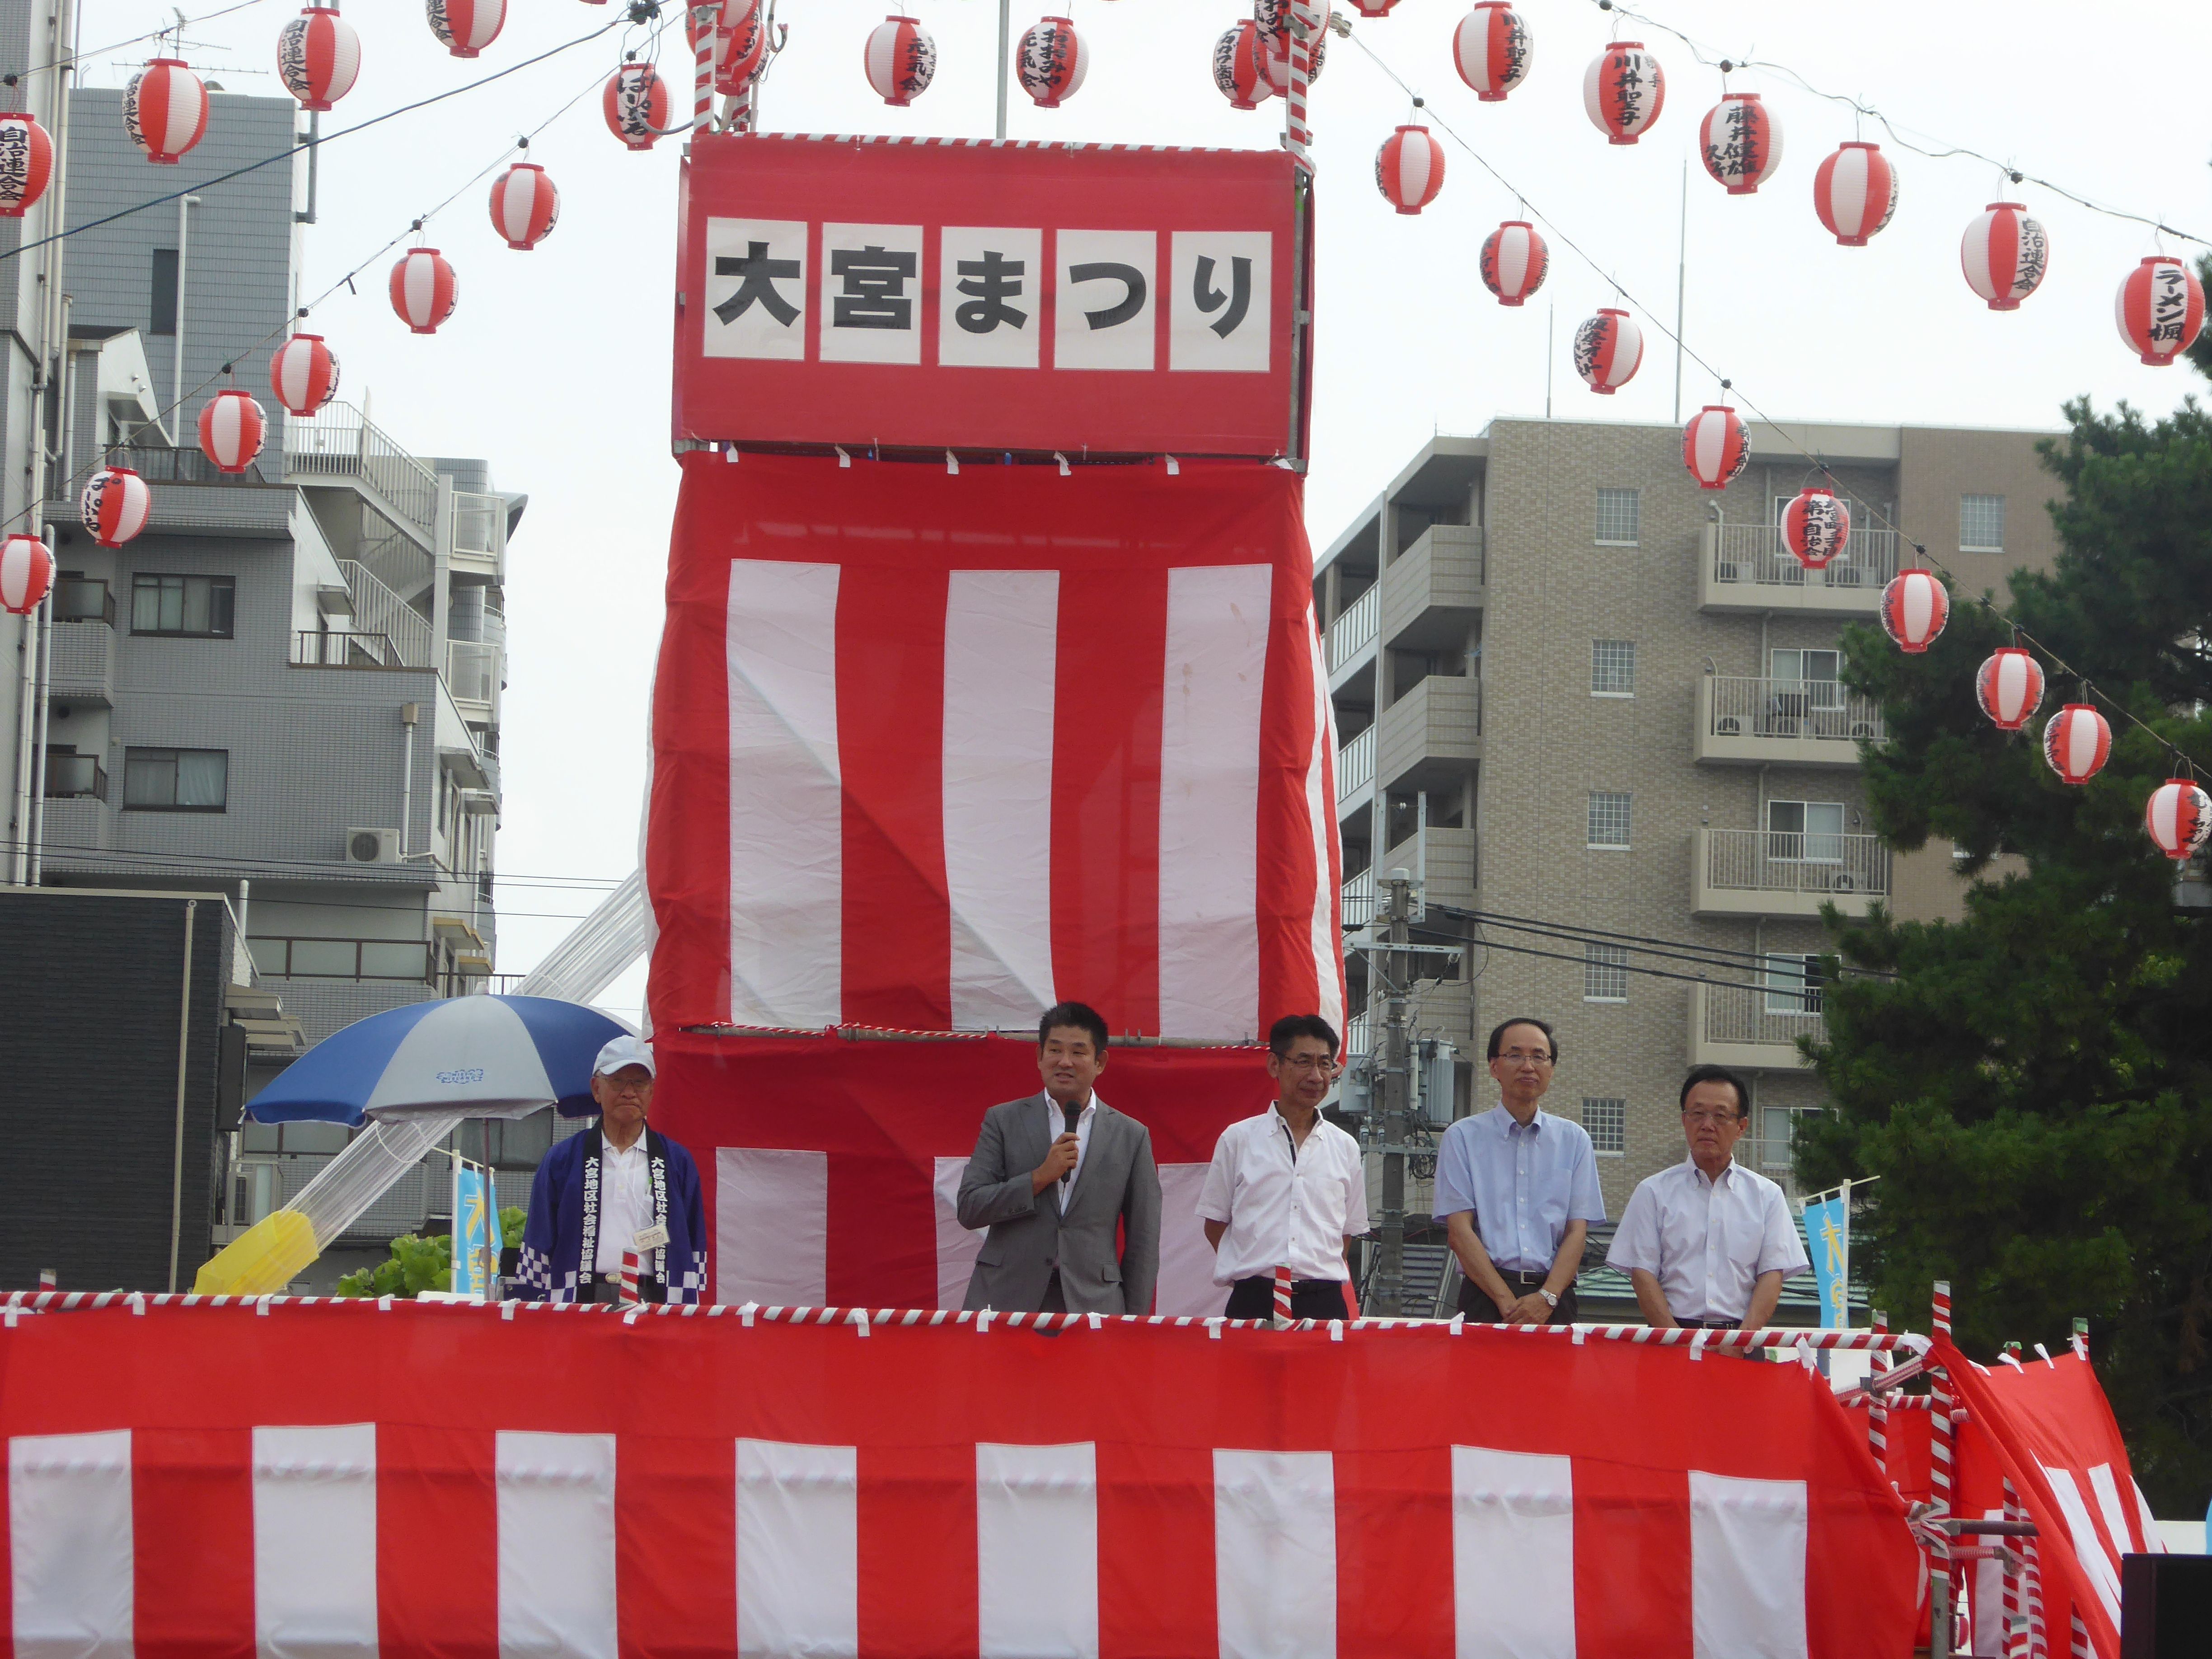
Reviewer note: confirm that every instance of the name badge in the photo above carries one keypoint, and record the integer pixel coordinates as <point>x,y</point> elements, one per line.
<point>650,1239</point>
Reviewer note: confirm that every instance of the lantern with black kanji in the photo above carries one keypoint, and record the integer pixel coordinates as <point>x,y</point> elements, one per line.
<point>1816,526</point>
<point>1608,350</point>
<point>2003,254</point>
<point>635,105</point>
<point>232,427</point>
<point>1914,608</point>
<point>1514,261</point>
<point>465,28</point>
<point>1491,50</point>
<point>26,572</point>
<point>2160,309</point>
<point>1624,90</point>
<point>164,110</point>
<point>1715,447</point>
<point>1277,63</point>
<point>1052,61</point>
<point>740,45</point>
<point>2009,687</point>
<point>27,163</point>
<point>901,60</point>
<point>317,56</point>
<point>1855,193</point>
<point>2076,742</point>
<point>114,505</point>
<point>303,374</point>
<point>1409,169</point>
<point>525,206</point>
<point>2178,815</point>
<point>1740,143</point>
<point>423,290</point>
<point>1240,66</point>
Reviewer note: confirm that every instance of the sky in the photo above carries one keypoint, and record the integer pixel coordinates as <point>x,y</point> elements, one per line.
<point>555,364</point>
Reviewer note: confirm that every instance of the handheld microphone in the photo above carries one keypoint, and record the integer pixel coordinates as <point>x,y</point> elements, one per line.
<point>1070,1113</point>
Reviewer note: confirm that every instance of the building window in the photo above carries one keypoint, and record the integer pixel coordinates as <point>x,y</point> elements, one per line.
<point>1617,518</point>
<point>1608,820</point>
<point>1793,984</point>
<point>1806,680</point>
<point>176,780</point>
<point>1805,831</point>
<point>186,607</point>
<point>1613,668</point>
<point>163,319</point>
<point>1606,1119</point>
<point>1981,524</point>
<point>1605,972</point>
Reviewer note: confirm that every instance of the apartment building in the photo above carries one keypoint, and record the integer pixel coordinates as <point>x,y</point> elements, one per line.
<point>1572,687</point>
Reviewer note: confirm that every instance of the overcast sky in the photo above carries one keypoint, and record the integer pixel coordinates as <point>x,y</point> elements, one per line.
<point>555,366</point>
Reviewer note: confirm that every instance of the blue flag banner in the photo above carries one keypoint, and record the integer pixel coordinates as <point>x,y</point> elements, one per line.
<point>1828,1231</point>
<point>476,1231</point>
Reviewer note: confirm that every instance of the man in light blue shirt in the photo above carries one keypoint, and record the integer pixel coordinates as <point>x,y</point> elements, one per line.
<point>1516,1190</point>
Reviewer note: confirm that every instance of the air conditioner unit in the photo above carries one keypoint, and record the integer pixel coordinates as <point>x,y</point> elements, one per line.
<point>1843,884</point>
<point>1862,728</point>
<point>1726,573</point>
<point>1728,726</point>
<point>372,847</point>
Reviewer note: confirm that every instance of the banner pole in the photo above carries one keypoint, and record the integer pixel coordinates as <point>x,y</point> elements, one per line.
<point>1005,49</point>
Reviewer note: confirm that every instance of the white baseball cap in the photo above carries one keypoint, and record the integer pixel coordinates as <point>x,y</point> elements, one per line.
<point>622,1051</point>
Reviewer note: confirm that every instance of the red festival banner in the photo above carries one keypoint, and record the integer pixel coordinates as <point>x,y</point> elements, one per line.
<point>469,1480</point>
<point>952,295</point>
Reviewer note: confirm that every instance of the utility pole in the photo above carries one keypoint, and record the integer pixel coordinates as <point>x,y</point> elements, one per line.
<point>1006,32</point>
<point>1389,1294</point>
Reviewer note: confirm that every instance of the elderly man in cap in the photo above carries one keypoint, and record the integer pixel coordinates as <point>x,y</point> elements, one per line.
<point>618,1186</point>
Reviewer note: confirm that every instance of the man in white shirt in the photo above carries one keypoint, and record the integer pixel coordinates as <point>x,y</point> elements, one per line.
<point>1286,1189</point>
<point>1708,1242</point>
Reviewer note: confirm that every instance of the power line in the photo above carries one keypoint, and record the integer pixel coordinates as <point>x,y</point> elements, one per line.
<point>323,866</point>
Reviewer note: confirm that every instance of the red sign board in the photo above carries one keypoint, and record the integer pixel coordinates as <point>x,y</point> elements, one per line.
<point>948,294</point>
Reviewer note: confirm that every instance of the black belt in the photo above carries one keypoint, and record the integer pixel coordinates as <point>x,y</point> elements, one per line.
<point>604,1288</point>
<point>1710,1324</point>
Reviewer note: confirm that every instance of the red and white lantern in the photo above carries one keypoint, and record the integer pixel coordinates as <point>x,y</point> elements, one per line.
<point>901,60</point>
<point>1409,169</point>
<point>2009,687</point>
<point>1855,193</point>
<point>1715,447</point>
<point>525,206</point>
<point>1514,261</point>
<point>114,505</point>
<point>1052,61</point>
<point>2077,742</point>
<point>1609,350</point>
<point>2160,309</point>
<point>1240,66</point>
<point>465,28</point>
<point>1740,143</point>
<point>1491,49</point>
<point>26,164</point>
<point>164,110</point>
<point>1373,8</point>
<point>1277,64</point>
<point>1816,526</point>
<point>635,105</point>
<point>2004,254</point>
<point>1914,608</point>
<point>232,427</point>
<point>1624,90</point>
<point>317,56</point>
<point>26,572</point>
<point>2178,815</point>
<point>423,289</point>
<point>303,374</point>
<point>740,45</point>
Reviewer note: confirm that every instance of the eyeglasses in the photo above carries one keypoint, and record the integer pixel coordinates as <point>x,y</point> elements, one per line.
<point>1309,1062</point>
<point>630,1085</point>
<point>1711,1117</point>
<point>1515,1057</point>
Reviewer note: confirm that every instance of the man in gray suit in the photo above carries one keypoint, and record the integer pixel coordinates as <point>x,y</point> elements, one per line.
<point>1052,1194</point>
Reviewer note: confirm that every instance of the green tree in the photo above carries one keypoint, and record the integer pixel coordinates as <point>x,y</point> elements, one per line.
<point>2033,1083</point>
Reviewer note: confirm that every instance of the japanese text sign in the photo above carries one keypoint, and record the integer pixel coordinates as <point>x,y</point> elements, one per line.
<point>958,296</point>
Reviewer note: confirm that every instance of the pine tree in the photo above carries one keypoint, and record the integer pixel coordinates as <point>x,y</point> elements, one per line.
<point>2033,1084</point>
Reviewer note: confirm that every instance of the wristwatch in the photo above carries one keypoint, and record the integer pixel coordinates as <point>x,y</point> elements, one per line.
<point>1549,1299</point>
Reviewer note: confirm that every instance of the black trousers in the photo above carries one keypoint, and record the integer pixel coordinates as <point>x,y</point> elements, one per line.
<point>1476,1304</point>
<point>1310,1299</point>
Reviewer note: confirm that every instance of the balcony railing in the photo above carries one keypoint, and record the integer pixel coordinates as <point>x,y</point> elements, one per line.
<point>84,598</point>
<point>1354,631</point>
<point>1355,765</point>
<point>1763,1015</point>
<point>1768,860</point>
<point>1755,554</point>
<point>479,525</point>
<point>378,610</point>
<point>1822,710</point>
<point>473,672</point>
<point>319,649</point>
<point>343,442</point>
<point>68,776</point>
<point>343,958</point>
<point>1359,900</point>
<point>160,464</point>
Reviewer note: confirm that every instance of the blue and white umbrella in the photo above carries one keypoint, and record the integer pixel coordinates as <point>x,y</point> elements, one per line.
<point>483,1057</point>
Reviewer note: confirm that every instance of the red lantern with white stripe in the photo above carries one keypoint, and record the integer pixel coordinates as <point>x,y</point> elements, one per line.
<point>1624,90</point>
<point>423,289</point>
<point>1609,350</point>
<point>1373,8</point>
<point>901,60</point>
<point>1490,48</point>
<point>740,45</point>
<point>1277,63</point>
<point>2009,687</point>
<point>2178,815</point>
<point>1052,61</point>
<point>1240,66</point>
<point>1514,261</point>
<point>635,105</point>
<point>303,374</point>
<point>1816,526</point>
<point>1740,143</point>
<point>2160,309</point>
<point>2076,742</point>
<point>164,110</point>
<point>2003,254</point>
<point>27,163</point>
<point>465,28</point>
<point>1715,447</point>
<point>1914,608</point>
<point>1855,193</point>
<point>114,505</point>
<point>26,572</point>
<point>1409,169</point>
<point>317,56</point>
<point>232,427</point>
<point>525,206</point>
